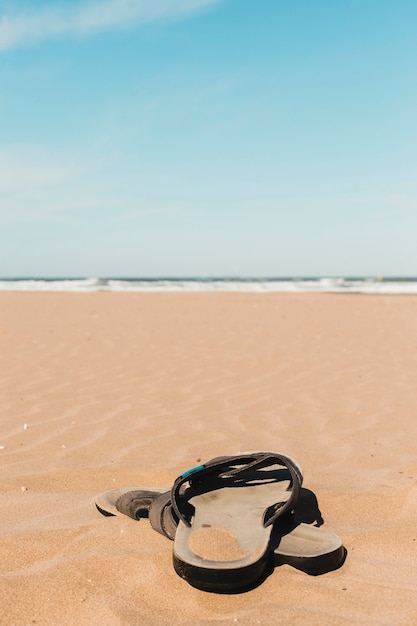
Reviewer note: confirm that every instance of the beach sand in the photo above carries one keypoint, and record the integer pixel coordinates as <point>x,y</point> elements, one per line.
<point>104,390</point>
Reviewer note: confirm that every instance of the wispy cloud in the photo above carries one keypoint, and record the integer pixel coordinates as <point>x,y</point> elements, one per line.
<point>28,168</point>
<point>37,186</point>
<point>88,17</point>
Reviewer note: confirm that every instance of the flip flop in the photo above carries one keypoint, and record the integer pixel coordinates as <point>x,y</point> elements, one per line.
<point>226,516</point>
<point>137,502</point>
<point>304,546</point>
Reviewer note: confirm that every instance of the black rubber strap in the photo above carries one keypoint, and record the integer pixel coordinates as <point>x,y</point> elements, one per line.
<point>235,467</point>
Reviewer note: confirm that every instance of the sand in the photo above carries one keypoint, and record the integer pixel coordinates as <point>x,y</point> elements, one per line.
<point>105,390</point>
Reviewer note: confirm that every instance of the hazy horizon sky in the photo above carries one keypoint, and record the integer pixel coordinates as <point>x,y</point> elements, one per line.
<point>208,138</point>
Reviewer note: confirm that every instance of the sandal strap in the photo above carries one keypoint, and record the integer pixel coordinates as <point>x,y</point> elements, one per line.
<point>162,516</point>
<point>235,467</point>
<point>158,506</point>
<point>134,503</point>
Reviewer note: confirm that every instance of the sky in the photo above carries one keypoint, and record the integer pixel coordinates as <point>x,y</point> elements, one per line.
<point>268,138</point>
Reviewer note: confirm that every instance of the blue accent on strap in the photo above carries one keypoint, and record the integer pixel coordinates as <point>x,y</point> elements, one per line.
<point>191,471</point>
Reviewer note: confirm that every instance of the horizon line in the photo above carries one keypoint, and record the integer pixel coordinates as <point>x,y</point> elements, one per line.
<point>232,278</point>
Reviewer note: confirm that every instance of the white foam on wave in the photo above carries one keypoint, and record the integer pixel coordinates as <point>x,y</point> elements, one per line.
<point>318,285</point>
<point>34,284</point>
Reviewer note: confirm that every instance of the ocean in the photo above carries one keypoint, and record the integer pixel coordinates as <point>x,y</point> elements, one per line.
<point>370,285</point>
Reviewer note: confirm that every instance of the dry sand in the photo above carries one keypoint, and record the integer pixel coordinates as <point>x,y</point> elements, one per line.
<point>106,390</point>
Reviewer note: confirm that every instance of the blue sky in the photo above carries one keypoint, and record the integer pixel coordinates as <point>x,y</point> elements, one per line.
<point>208,137</point>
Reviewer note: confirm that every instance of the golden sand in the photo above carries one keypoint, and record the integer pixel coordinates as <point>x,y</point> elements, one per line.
<point>105,390</point>
<point>215,544</point>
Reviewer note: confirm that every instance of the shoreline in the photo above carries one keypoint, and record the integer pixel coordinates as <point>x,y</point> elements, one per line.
<point>374,285</point>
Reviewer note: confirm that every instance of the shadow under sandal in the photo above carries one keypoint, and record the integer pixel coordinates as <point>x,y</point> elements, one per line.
<point>226,511</point>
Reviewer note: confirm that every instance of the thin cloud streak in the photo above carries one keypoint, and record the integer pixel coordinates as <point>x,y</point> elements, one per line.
<point>90,18</point>
<point>39,187</point>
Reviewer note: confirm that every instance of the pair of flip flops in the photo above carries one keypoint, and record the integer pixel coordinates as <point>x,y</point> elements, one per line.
<point>232,519</point>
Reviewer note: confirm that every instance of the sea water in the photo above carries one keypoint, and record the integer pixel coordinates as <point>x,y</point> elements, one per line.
<point>371,285</point>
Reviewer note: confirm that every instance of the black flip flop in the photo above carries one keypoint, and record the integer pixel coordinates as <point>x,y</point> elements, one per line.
<point>226,510</point>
